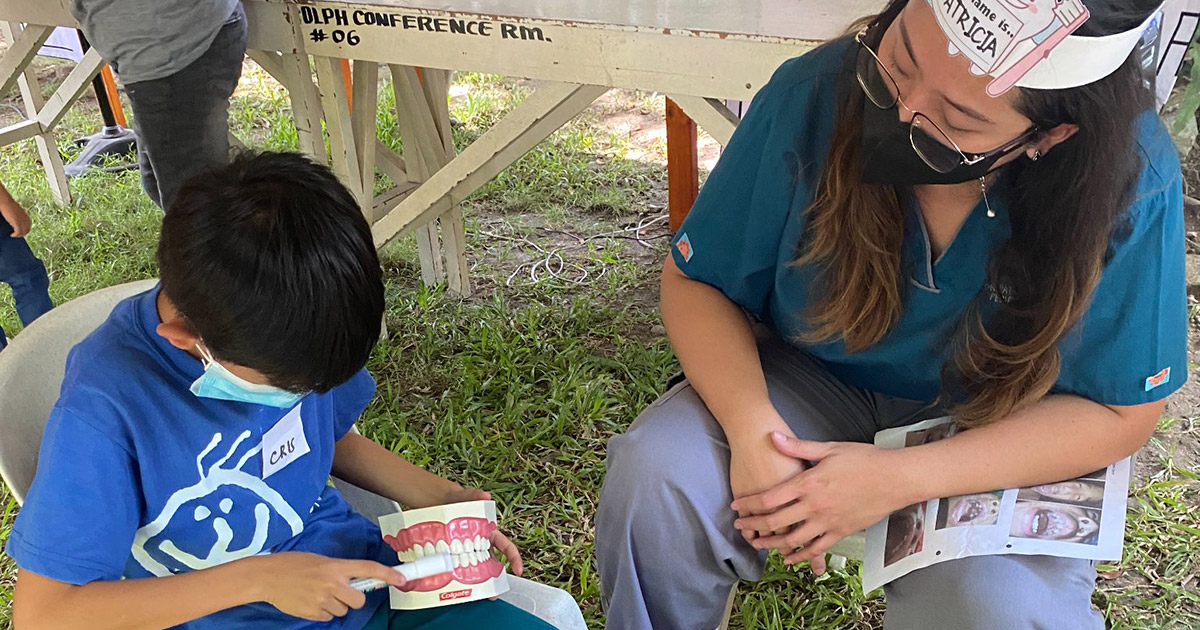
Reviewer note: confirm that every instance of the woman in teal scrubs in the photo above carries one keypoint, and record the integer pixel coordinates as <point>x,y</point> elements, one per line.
<point>885,241</point>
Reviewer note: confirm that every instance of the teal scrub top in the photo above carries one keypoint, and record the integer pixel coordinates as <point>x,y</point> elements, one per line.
<point>743,233</point>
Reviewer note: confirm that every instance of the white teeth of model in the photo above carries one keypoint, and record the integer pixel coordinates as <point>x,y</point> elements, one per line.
<point>456,546</point>
<point>418,552</point>
<point>429,549</point>
<point>457,561</point>
<point>442,547</point>
<point>406,555</point>
<point>468,545</point>
<point>474,558</point>
<point>481,544</point>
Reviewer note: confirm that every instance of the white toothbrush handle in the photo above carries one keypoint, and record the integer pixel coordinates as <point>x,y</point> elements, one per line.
<point>421,568</point>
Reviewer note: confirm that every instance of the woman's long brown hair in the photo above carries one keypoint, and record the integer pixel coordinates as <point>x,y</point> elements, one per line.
<point>1063,210</point>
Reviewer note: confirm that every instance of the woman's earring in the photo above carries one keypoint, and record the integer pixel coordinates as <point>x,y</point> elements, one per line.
<point>983,190</point>
<point>1036,155</point>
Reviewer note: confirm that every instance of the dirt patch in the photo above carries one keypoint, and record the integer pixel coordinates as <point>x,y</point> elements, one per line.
<point>49,74</point>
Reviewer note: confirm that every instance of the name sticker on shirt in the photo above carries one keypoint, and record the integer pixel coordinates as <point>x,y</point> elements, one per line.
<point>284,443</point>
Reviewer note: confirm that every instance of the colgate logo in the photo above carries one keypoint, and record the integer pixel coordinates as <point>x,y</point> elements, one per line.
<point>449,595</point>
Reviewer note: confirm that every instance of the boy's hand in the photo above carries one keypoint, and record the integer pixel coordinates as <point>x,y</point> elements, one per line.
<point>500,542</point>
<point>460,494</point>
<point>16,216</point>
<point>315,587</point>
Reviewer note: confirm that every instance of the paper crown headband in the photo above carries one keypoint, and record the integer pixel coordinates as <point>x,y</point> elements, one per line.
<point>1028,43</point>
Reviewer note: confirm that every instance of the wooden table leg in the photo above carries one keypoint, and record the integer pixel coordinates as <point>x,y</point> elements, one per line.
<point>683,164</point>
<point>47,145</point>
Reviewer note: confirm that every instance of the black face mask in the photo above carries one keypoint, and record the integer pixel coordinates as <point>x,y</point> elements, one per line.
<point>888,156</point>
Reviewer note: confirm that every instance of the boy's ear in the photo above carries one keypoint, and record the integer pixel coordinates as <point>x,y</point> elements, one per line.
<point>179,334</point>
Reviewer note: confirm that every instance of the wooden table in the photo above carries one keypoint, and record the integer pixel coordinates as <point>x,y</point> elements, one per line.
<point>697,52</point>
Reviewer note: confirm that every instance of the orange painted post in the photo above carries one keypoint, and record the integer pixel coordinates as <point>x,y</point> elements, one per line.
<point>114,99</point>
<point>348,80</point>
<point>683,164</point>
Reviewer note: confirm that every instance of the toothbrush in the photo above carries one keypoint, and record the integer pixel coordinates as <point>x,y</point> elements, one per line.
<point>421,568</point>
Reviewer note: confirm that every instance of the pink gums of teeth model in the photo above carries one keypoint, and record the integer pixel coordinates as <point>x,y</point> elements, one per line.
<point>463,530</point>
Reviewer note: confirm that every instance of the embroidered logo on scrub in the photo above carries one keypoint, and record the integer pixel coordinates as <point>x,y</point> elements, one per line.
<point>1161,378</point>
<point>684,245</point>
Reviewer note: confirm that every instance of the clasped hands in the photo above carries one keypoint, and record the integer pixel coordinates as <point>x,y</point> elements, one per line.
<point>840,488</point>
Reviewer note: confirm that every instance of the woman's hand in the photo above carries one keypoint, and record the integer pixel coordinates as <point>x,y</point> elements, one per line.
<point>315,587</point>
<point>851,487</point>
<point>755,466</point>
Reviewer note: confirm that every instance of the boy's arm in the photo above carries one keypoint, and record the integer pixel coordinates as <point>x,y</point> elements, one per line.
<point>371,467</point>
<point>151,603</point>
<point>14,214</point>
<point>298,584</point>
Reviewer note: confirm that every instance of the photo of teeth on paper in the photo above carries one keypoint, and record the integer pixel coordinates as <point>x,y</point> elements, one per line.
<point>462,530</point>
<point>1076,518</point>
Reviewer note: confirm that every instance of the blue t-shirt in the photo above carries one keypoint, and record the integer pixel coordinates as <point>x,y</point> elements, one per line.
<point>742,237</point>
<point>137,477</point>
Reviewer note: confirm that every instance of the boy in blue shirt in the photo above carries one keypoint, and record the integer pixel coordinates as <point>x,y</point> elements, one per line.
<point>190,449</point>
<point>19,268</point>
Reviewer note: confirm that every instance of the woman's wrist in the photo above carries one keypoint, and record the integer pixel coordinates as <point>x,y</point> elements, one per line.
<point>914,483</point>
<point>753,425</point>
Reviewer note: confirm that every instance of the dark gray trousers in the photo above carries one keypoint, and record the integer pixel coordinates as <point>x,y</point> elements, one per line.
<point>182,120</point>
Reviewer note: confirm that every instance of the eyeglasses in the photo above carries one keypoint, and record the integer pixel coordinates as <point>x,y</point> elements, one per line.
<point>933,145</point>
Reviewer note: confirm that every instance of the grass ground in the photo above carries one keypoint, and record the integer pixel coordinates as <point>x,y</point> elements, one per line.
<point>517,388</point>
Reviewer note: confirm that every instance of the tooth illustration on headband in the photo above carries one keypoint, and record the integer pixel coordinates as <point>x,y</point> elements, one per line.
<point>464,530</point>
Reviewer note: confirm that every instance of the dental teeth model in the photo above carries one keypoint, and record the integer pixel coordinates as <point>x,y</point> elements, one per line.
<point>461,530</point>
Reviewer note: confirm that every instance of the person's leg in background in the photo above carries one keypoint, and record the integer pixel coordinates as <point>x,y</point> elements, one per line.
<point>480,615</point>
<point>995,593</point>
<point>182,120</point>
<point>667,550</point>
<point>26,275</point>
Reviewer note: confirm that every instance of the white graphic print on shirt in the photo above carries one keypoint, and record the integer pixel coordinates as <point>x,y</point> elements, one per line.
<point>162,536</point>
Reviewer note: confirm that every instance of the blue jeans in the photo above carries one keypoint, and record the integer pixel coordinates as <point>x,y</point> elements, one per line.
<point>26,275</point>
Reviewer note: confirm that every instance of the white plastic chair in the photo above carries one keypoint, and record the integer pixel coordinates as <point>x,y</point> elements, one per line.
<point>31,372</point>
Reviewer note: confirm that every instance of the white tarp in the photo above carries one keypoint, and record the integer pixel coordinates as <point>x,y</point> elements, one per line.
<point>63,44</point>
<point>1180,20</point>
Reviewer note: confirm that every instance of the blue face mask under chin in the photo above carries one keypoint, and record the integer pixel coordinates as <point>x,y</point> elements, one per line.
<point>219,383</point>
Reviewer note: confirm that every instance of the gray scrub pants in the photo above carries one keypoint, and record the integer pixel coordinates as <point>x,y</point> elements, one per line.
<point>669,554</point>
<point>182,120</point>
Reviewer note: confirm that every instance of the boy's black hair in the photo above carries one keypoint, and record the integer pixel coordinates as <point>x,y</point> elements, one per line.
<point>272,263</point>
